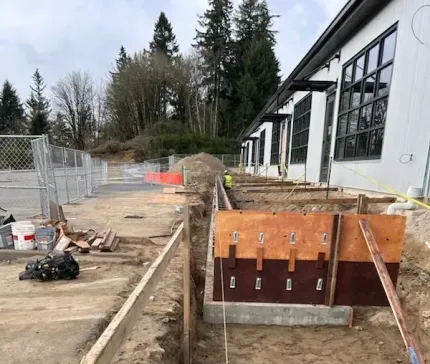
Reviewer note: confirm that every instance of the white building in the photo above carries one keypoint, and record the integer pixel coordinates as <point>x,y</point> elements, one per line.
<point>361,96</point>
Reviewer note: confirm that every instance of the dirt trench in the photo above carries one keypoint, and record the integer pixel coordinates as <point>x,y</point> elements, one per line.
<point>374,337</point>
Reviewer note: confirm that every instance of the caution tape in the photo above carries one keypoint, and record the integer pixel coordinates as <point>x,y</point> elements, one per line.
<point>392,190</point>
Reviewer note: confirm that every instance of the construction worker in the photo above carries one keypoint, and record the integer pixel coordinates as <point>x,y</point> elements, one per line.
<point>228,180</point>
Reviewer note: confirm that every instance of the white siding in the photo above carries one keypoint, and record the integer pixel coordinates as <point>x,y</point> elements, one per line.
<point>408,118</point>
<point>407,127</point>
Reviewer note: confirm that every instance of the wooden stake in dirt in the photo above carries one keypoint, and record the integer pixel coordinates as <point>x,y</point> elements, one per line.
<point>187,290</point>
<point>414,352</point>
<point>334,260</point>
<point>361,204</point>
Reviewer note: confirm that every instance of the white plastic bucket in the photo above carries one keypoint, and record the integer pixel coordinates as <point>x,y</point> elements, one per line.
<point>23,235</point>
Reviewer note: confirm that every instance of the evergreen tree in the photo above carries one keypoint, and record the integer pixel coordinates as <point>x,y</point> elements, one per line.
<point>61,134</point>
<point>164,39</point>
<point>12,119</point>
<point>39,107</point>
<point>255,69</point>
<point>164,49</point>
<point>214,43</point>
<point>258,81</point>
<point>252,21</point>
<point>122,62</point>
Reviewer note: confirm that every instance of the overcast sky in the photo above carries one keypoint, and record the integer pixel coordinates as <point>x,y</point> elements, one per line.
<point>59,36</point>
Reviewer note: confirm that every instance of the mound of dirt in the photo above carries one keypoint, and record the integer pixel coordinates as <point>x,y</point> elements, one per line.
<point>202,168</point>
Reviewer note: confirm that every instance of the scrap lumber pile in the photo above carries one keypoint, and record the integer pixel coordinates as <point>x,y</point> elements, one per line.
<point>71,240</point>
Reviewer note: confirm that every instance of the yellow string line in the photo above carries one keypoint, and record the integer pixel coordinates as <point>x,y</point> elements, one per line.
<point>297,183</point>
<point>393,191</point>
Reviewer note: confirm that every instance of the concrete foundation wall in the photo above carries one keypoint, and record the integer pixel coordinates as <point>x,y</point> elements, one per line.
<point>276,314</point>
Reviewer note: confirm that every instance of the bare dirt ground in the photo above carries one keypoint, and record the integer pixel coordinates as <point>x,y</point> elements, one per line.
<point>57,322</point>
<point>80,313</point>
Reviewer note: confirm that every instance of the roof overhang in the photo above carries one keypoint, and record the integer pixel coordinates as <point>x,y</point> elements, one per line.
<point>272,117</point>
<point>309,85</point>
<point>250,139</point>
<point>353,17</point>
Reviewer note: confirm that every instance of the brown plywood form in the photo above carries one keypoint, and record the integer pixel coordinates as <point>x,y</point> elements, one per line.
<point>286,230</point>
<point>389,231</point>
<point>309,234</point>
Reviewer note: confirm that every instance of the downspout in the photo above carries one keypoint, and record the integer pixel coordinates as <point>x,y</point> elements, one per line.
<point>425,187</point>
<point>413,192</point>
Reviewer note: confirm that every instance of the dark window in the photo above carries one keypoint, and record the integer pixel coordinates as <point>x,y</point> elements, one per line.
<point>262,144</point>
<point>300,135</point>
<point>364,100</point>
<point>254,152</point>
<point>246,154</point>
<point>276,137</point>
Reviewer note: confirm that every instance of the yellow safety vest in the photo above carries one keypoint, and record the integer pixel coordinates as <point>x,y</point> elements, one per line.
<point>228,181</point>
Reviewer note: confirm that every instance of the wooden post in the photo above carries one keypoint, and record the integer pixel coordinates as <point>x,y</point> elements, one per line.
<point>364,204</point>
<point>414,352</point>
<point>360,203</point>
<point>334,260</point>
<point>187,289</point>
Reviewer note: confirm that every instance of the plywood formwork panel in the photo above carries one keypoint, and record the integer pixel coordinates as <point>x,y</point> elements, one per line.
<point>389,231</point>
<point>310,231</point>
<point>312,234</point>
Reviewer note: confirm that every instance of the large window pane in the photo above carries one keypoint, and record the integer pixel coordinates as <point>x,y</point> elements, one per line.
<point>301,122</point>
<point>347,76</point>
<point>364,99</point>
<point>380,112</point>
<point>362,140</point>
<point>384,80</point>
<point>369,88</point>
<point>352,121</point>
<point>350,147</point>
<point>366,117</point>
<point>341,129</point>
<point>372,59</point>
<point>356,96</point>
<point>375,145</point>
<point>340,148</point>
<point>359,68</point>
<point>389,47</point>
<point>344,102</point>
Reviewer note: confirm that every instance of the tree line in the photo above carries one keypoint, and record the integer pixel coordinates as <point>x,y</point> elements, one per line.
<point>214,92</point>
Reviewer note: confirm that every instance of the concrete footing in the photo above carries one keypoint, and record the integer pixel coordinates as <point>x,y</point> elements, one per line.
<point>276,314</point>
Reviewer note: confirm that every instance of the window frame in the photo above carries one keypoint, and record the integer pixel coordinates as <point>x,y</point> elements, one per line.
<point>254,152</point>
<point>363,102</point>
<point>246,157</point>
<point>275,143</point>
<point>262,146</point>
<point>302,111</point>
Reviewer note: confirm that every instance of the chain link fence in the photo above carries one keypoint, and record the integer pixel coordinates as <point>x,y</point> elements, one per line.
<point>135,172</point>
<point>36,178</point>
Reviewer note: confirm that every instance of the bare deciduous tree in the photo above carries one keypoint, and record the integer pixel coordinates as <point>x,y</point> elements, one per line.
<point>74,99</point>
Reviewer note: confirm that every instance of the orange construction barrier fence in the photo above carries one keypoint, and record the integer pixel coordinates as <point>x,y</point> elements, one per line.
<point>164,178</point>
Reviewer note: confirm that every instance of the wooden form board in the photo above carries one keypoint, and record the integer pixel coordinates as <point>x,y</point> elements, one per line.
<point>309,230</point>
<point>123,322</point>
<point>389,231</point>
<point>277,228</point>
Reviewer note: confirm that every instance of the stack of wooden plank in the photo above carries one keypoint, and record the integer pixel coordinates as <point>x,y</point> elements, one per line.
<point>84,242</point>
<point>107,242</point>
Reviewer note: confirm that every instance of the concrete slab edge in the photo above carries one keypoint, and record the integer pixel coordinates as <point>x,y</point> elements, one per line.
<point>276,314</point>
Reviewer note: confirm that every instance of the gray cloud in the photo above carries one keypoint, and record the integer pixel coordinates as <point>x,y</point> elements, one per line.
<point>61,36</point>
